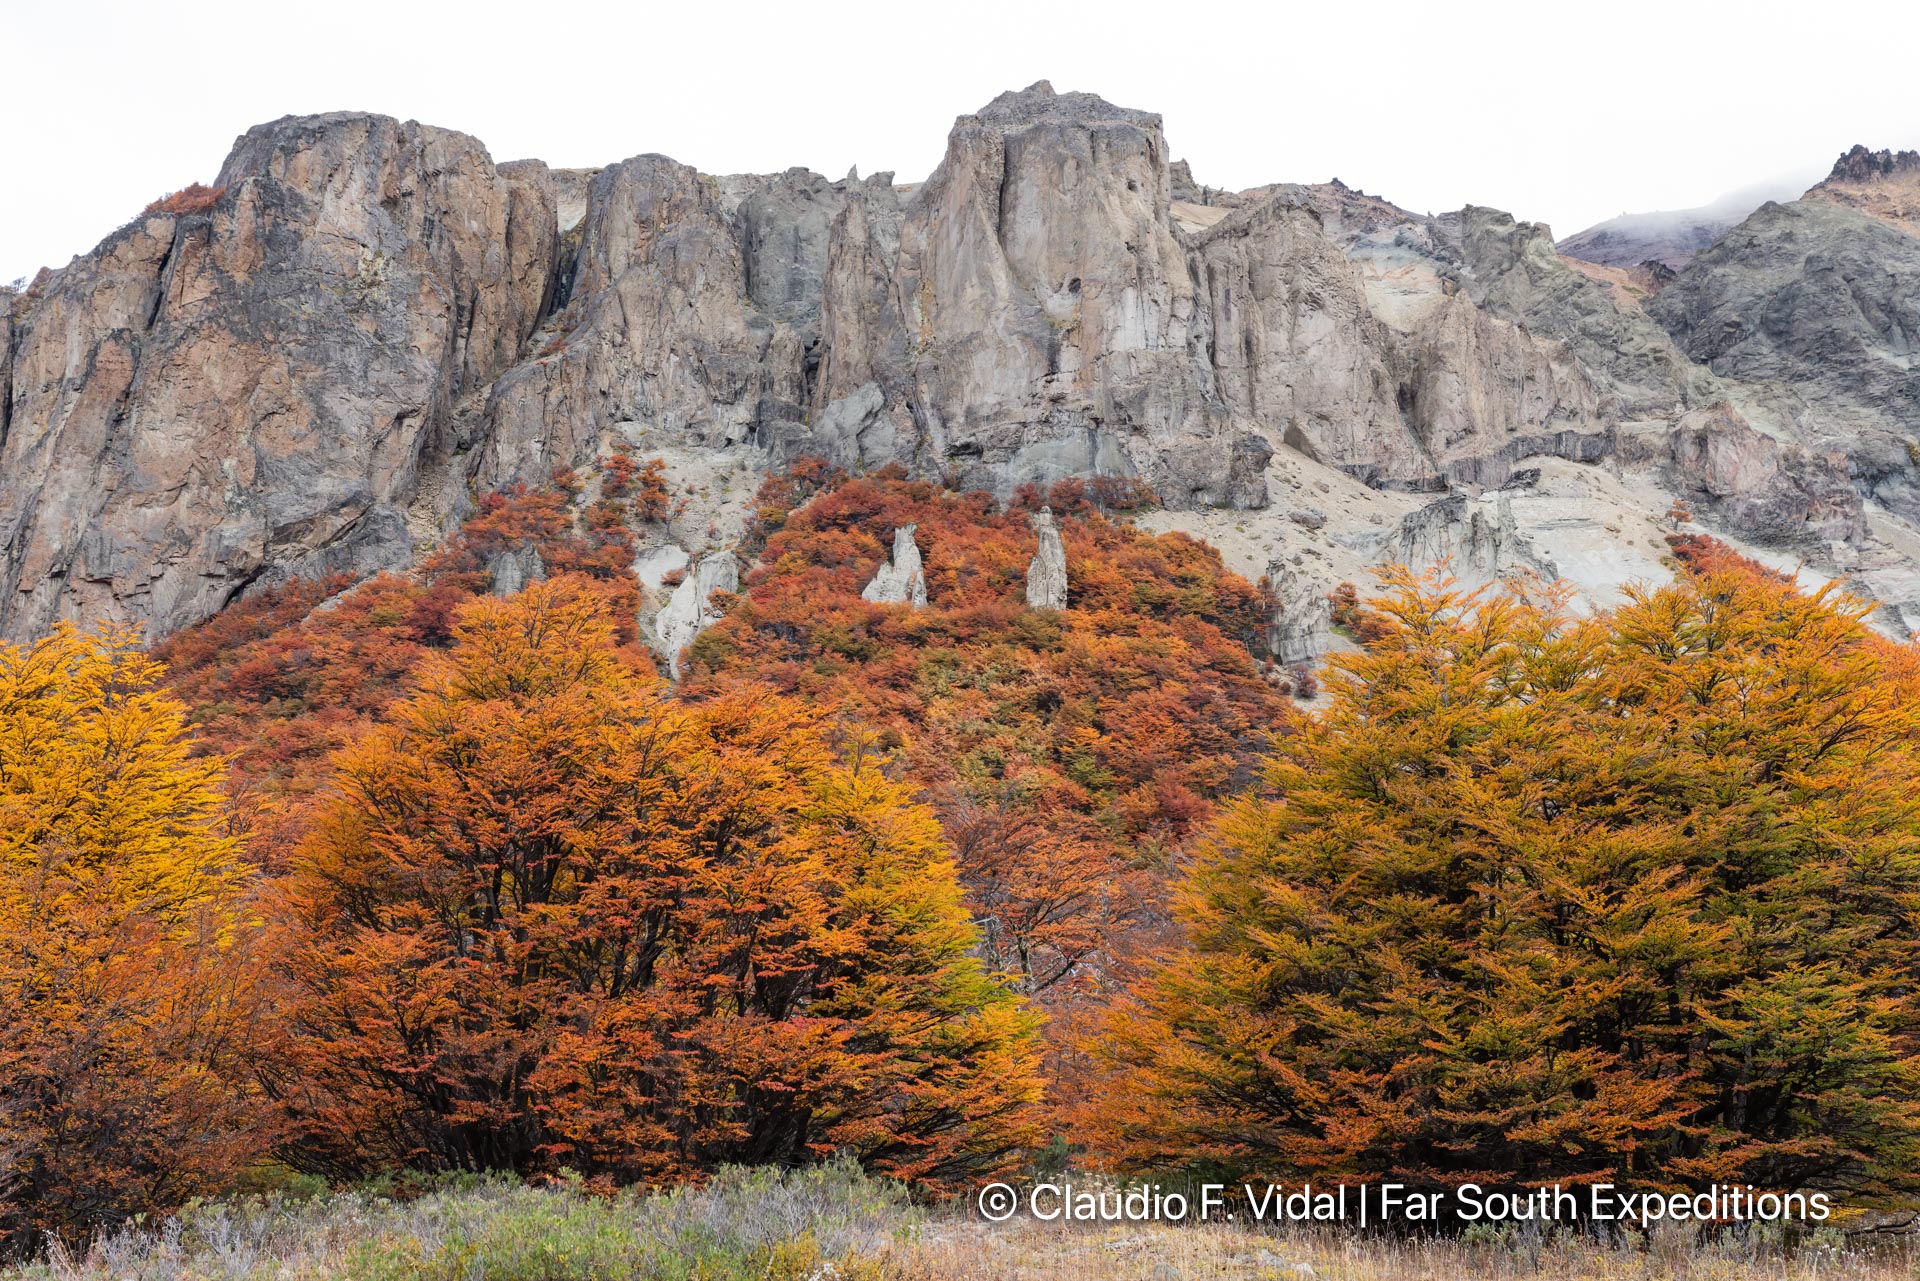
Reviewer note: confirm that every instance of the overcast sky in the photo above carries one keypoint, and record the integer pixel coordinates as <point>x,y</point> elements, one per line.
<point>1563,113</point>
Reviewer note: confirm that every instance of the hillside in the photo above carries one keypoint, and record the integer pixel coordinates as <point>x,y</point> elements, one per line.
<point>1672,237</point>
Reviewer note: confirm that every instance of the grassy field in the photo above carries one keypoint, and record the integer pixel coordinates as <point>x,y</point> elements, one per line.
<point>833,1224</point>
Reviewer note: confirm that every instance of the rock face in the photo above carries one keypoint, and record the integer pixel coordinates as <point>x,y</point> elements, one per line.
<point>1030,314</point>
<point>510,572</point>
<point>1816,309</point>
<point>900,581</point>
<point>253,392</point>
<point>1777,493</point>
<point>695,314</point>
<point>373,322</point>
<point>1513,271</point>
<point>1047,571</point>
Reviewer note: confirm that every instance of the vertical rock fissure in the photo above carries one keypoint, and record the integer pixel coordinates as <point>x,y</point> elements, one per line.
<point>163,277</point>
<point>7,297</point>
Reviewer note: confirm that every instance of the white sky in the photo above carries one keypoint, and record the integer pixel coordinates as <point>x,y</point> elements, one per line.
<point>1558,112</point>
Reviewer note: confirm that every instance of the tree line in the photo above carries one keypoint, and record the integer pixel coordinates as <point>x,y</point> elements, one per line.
<point>404,876</point>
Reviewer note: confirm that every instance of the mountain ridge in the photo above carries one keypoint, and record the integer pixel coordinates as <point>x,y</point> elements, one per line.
<point>374,322</point>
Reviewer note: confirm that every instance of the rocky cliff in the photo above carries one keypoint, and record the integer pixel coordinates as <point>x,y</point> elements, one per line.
<point>1880,184</point>
<point>1814,311</point>
<point>365,323</point>
<point>255,391</point>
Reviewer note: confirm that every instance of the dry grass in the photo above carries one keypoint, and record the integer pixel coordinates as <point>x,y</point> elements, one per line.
<point>1024,1251</point>
<point>835,1224</point>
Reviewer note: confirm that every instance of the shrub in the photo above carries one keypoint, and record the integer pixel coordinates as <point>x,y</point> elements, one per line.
<point>196,198</point>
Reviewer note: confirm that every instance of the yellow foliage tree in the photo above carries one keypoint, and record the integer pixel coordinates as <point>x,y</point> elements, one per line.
<point>1632,898</point>
<point>125,977</point>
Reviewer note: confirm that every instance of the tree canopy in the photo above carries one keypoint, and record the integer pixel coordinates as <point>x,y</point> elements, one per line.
<point>550,915</point>
<point>126,977</point>
<point>1630,897</point>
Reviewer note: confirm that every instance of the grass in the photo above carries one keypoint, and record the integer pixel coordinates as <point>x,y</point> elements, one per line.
<point>832,1223</point>
<point>954,1251</point>
<point>809,1225</point>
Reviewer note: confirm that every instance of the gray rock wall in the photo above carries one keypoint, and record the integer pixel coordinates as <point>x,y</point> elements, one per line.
<point>375,321</point>
<point>245,394</point>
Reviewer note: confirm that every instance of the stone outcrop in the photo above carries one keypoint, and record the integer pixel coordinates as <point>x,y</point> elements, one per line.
<point>1302,626</point>
<point>1781,494</point>
<point>509,572</point>
<point>1477,540</point>
<point>901,580</point>
<point>1880,184</point>
<point>252,392</point>
<point>691,609</point>
<point>1047,571</point>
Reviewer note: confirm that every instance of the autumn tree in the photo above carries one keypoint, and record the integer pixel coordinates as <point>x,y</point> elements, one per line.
<point>278,681</point>
<point>552,916</point>
<point>1631,898</point>
<point>127,969</point>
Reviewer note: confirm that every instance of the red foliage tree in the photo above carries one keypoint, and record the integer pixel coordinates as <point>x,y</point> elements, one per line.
<point>551,916</point>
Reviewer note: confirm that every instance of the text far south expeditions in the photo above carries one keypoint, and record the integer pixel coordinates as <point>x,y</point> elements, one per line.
<point>1372,1204</point>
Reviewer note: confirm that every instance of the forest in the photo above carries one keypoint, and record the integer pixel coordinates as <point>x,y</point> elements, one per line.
<point>406,880</point>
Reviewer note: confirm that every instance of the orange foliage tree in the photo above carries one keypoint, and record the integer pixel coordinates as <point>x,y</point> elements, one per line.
<point>1633,898</point>
<point>550,916</point>
<point>280,680</point>
<point>127,973</point>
